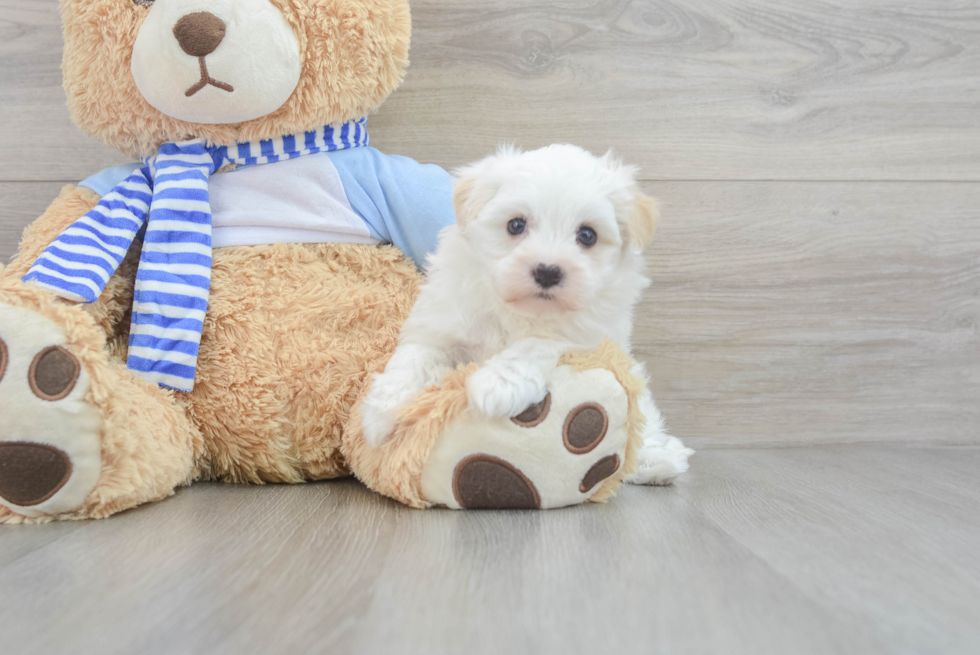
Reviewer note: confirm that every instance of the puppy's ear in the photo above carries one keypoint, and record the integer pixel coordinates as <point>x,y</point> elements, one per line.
<point>643,220</point>
<point>478,182</point>
<point>464,202</point>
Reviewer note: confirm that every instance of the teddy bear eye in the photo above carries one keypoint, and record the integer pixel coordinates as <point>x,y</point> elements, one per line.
<point>143,3</point>
<point>516,226</point>
<point>586,236</point>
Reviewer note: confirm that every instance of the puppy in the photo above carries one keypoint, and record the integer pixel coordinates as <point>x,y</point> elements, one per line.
<point>545,256</point>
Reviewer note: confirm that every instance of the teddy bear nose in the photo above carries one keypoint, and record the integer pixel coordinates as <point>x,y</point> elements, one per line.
<point>199,34</point>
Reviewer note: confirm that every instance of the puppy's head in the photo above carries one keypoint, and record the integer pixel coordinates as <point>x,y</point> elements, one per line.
<point>555,227</point>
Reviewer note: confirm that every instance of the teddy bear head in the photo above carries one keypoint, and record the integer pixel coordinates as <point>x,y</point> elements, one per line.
<point>140,73</point>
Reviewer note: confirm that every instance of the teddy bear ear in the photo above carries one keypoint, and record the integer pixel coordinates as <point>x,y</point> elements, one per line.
<point>643,220</point>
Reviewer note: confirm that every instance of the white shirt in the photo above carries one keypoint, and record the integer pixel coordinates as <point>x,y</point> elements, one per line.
<point>295,201</point>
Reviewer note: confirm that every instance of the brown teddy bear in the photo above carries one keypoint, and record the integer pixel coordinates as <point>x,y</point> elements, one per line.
<point>216,311</point>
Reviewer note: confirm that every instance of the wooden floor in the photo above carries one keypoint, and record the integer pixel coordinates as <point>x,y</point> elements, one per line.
<point>858,549</point>
<point>813,327</point>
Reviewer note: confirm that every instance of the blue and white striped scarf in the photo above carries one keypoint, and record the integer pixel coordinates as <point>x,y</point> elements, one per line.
<point>174,276</point>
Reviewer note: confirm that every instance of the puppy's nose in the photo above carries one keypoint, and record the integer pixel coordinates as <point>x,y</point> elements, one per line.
<point>199,34</point>
<point>547,276</point>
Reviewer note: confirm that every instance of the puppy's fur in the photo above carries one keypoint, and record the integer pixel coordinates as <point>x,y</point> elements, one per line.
<point>496,297</point>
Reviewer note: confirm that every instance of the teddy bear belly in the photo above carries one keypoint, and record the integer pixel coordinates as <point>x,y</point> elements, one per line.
<point>291,333</point>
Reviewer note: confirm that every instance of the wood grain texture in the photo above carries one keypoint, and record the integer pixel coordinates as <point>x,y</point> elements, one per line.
<point>815,312</point>
<point>729,89</point>
<point>846,524</point>
<point>726,89</point>
<point>838,550</point>
<point>37,138</point>
<point>22,203</point>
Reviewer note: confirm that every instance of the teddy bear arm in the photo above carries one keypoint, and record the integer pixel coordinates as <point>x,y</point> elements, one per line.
<point>112,307</point>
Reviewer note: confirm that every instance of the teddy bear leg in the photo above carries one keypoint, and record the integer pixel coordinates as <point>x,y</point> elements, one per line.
<point>570,447</point>
<point>574,445</point>
<point>82,436</point>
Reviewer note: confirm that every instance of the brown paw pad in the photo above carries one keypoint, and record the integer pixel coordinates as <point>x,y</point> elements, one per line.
<point>3,358</point>
<point>30,473</point>
<point>534,414</point>
<point>601,470</point>
<point>585,427</point>
<point>487,482</point>
<point>53,373</point>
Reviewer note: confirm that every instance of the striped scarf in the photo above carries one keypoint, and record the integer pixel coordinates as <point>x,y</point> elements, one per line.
<point>174,277</point>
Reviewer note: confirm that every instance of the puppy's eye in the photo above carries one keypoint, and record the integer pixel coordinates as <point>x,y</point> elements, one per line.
<point>586,236</point>
<point>516,226</point>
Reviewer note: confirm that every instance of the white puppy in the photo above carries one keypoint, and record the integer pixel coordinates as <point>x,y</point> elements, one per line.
<point>545,257</point>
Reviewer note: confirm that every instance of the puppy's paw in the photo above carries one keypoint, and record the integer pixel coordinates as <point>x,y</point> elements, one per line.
<point>505,388</point>
<point>377,424</point>
<point>379,413</point>
<point>659,462</point>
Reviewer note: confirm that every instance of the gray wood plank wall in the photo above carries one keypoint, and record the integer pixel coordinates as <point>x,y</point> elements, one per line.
<point>816,278</point>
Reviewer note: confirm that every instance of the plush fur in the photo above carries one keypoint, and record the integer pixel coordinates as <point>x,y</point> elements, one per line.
<point>275,386</point>
<point>147,441</point>
<point>353,55</point>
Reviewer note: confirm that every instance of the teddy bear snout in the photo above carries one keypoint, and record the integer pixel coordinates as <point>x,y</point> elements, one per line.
<point>199,34</point>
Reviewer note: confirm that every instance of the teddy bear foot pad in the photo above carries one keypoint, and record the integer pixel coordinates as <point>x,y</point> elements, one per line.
<point>50,447</point>
<point>556,453</point>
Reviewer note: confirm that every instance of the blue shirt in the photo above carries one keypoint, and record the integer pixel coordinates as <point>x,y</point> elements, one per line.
<point>400,200</point>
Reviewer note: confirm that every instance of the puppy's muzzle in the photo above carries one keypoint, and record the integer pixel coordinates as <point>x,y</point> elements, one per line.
<point>547,276</point>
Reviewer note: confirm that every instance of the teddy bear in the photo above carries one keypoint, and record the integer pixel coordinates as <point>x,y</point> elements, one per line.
<point>216,311</point>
